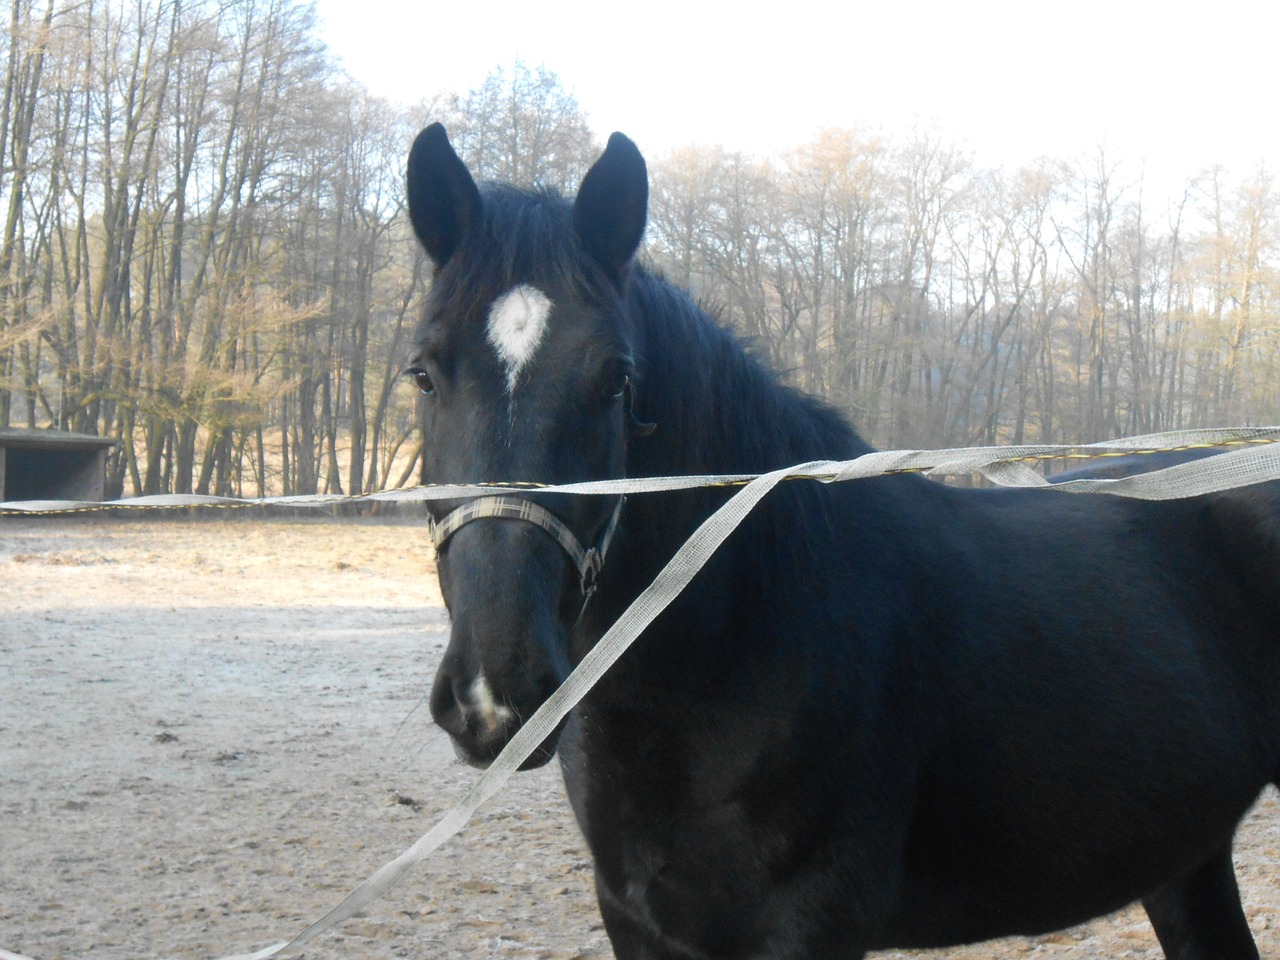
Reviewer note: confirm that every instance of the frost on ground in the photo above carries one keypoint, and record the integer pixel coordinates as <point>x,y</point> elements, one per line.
<point>212,729</point>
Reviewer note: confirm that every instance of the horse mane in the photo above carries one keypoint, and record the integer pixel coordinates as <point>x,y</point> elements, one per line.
<point>732,412</point>
<point>719,410</point>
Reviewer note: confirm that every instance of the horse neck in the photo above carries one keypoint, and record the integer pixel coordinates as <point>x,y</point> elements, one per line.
<point>718,411</point>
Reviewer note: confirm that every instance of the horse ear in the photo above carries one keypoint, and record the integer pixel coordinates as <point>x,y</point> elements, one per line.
<point>610,209</point>
<point>443,199</point>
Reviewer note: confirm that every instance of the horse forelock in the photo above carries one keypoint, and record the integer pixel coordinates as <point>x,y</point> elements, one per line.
<point>528,237</point>
<point>525,243</point>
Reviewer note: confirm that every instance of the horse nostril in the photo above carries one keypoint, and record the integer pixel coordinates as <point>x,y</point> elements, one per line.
<point>460,706</point>
<point>445,705</point>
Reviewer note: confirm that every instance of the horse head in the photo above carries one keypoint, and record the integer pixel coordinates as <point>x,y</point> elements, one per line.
<point>524,359</point>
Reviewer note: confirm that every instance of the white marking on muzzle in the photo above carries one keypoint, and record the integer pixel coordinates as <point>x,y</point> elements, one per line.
<point>517,324</point>
<point>494,714</point>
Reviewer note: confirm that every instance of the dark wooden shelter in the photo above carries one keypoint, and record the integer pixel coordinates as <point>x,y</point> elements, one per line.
<point>52,465</point>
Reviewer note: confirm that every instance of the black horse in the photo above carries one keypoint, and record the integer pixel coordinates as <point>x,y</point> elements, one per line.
<point>887,712</point>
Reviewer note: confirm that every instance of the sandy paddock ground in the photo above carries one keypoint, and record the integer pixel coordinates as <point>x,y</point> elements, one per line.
<point>211,729</point>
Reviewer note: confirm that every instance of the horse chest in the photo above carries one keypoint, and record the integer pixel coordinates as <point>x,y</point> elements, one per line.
<point>715,872</point>
<point>682,867</point>
<point>695,883</point>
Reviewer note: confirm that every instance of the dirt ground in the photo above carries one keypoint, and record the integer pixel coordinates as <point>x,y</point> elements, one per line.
<point>212,729</point>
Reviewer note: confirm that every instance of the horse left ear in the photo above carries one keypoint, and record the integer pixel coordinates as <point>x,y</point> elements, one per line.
<point>609,212</point>
<point>443,199</point>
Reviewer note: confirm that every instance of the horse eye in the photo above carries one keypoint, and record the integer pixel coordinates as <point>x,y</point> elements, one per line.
<point>422,379</point>
<point>615,381</point>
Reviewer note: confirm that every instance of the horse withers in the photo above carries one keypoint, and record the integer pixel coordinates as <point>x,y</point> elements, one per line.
<point>886,713</point>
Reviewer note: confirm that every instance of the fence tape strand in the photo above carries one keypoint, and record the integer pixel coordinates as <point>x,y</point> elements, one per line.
<point>1008,466</point>
<point>1254,457</point>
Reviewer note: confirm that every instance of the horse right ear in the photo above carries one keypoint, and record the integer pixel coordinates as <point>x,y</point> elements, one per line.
<point>611,205</point>
<point>443,199</point>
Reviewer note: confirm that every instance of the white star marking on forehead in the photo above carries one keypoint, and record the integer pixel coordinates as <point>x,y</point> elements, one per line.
<point>517,324</point>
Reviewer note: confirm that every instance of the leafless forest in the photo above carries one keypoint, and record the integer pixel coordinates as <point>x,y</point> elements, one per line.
<point>204,254</point>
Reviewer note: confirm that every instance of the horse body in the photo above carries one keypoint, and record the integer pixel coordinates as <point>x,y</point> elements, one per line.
<point>886,713</point>
<point>929,700</point>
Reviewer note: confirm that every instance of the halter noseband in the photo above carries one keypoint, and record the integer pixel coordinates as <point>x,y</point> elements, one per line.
<point>588,562</point>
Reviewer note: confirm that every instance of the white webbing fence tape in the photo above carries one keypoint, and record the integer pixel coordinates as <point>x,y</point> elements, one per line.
<point>1255,459</point>
<point>1009,466</point>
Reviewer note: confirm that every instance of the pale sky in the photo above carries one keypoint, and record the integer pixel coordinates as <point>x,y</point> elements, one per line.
<point>1171,86</point>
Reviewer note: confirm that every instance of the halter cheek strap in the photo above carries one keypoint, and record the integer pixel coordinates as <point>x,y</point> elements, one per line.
<point>588,562</point>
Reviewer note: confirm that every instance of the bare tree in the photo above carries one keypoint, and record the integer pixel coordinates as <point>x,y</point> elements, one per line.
<point>203,254</point>
<point>521,126</point>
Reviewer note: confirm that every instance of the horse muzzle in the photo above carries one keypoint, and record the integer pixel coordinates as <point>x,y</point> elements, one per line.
<point>508,597</point>
<point>481,722</point>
